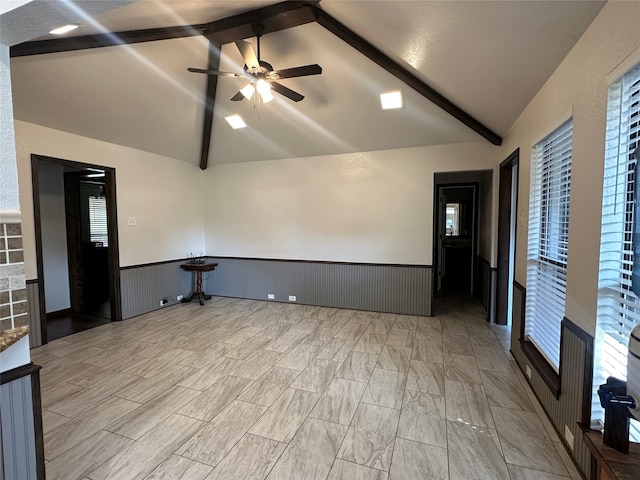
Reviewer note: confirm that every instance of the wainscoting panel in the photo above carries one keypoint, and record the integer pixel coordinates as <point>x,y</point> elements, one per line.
<point>487,277</point>
<point>403,289</point>
<point>143,286</point>
<point>33,305</point>
<point>18,426</point>
<point>576,363</point>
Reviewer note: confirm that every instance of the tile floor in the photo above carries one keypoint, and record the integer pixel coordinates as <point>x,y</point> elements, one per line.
<point>242,389</point>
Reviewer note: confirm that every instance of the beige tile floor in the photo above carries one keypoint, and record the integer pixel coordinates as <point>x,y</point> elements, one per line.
<point>242,389</point>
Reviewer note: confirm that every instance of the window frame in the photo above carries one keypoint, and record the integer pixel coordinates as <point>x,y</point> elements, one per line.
<point>549,208</point>
<point>618,307</point>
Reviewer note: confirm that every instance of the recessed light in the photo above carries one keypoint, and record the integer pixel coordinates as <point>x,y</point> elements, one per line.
<point>235,121</point>
<point>391,100</point>
<point>64,29</point>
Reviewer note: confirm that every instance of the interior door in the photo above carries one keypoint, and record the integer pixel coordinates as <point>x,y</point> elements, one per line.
<point>440,235</point>
<point>507,224</point>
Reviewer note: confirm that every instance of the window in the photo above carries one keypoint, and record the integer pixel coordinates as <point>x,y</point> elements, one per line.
<point>98,220</point>
<point>547,242</point>
<point>618,306</point>
<point>453,220</point>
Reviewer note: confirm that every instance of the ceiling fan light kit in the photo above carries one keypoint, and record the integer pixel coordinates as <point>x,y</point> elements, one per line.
<point>262,77</point>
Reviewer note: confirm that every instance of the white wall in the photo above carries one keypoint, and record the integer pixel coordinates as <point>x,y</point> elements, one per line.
<point>162,193</point>
<point>372,207</point>
<point>8,172</point>
<point>54,237</point>
<point>577,88</point>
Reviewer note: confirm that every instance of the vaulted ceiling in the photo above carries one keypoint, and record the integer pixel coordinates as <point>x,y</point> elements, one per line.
<point>487,58</point>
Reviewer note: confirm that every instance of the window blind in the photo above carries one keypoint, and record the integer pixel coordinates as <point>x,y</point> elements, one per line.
<point>98,231</point>
<point>548,241</point>
<point>618,306</point>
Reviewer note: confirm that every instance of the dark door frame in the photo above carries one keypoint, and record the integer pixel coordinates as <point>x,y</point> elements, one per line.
<point>505,229</point>
<point>113,251</point>
<point>438,227</point>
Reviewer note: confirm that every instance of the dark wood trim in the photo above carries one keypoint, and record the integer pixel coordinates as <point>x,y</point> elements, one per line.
<point>523,294</point>
<point>114,256</point>
<point>84,42</point>
<point>153,264</point>
<point>374,54</point>
<point>552,379</point>
<point>542,366</point>
<point>115,297</point>
<point>538,362</point>
<point>273,18</point>
<point>32,281</point>
<point>73,225</point>
<point>323,262</point>
<point>281,260</point>
<point>587,381</point>
<point>276,17</point>
<point>37,422</point>
<point>37,223</point>
<point>19,372</point>
<point>209,103</point>
<point>504,236</point>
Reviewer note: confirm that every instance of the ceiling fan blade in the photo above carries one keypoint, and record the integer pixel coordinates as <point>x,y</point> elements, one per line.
<point>314,69</point>
<point>249,55</point>
<point>237,97</point>
<point>215,72</point>
<point>287,92</point>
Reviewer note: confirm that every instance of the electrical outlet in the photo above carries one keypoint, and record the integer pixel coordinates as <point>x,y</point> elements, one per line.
<point>568,436</point>
<point>271,296</point>
<point>528,370</point>
<point>132,221</point>
<point>179,298</point>
<point>164,301</point>
<point>292,298</point>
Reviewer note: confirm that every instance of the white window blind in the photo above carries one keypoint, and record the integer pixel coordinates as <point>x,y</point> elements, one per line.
<point>98,231</point>
<point>548,240</point>
<point>618,306</point>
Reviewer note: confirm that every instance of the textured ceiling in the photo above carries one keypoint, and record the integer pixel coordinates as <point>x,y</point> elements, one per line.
<point>489,58</point>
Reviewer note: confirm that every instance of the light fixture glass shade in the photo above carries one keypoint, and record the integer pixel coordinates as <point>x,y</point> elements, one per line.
<point>267,96</point>
<point>263,87</point>
<point>247,91</point>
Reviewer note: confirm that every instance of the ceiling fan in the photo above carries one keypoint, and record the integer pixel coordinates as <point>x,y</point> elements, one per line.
<point>262,77</point>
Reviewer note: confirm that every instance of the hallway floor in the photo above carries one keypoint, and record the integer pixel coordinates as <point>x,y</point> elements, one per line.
<point>242,389</point>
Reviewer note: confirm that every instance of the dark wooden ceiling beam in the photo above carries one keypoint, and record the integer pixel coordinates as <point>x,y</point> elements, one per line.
<point>210,96</point>
<point>374,54</point>
<point>273,18</point>
<point>83,42</point>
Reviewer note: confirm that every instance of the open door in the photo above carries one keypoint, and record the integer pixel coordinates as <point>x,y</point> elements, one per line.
<point>440,235</point>
<point>456,237</point>
<point>507,223</point>
<point>76,245</point>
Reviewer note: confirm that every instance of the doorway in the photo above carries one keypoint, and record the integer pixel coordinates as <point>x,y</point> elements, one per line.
<point>76,245</point>
<point>456,237</point>
<point>507,225</point>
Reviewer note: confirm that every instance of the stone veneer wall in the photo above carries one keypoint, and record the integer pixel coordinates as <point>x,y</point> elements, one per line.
<point>13,292</point>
